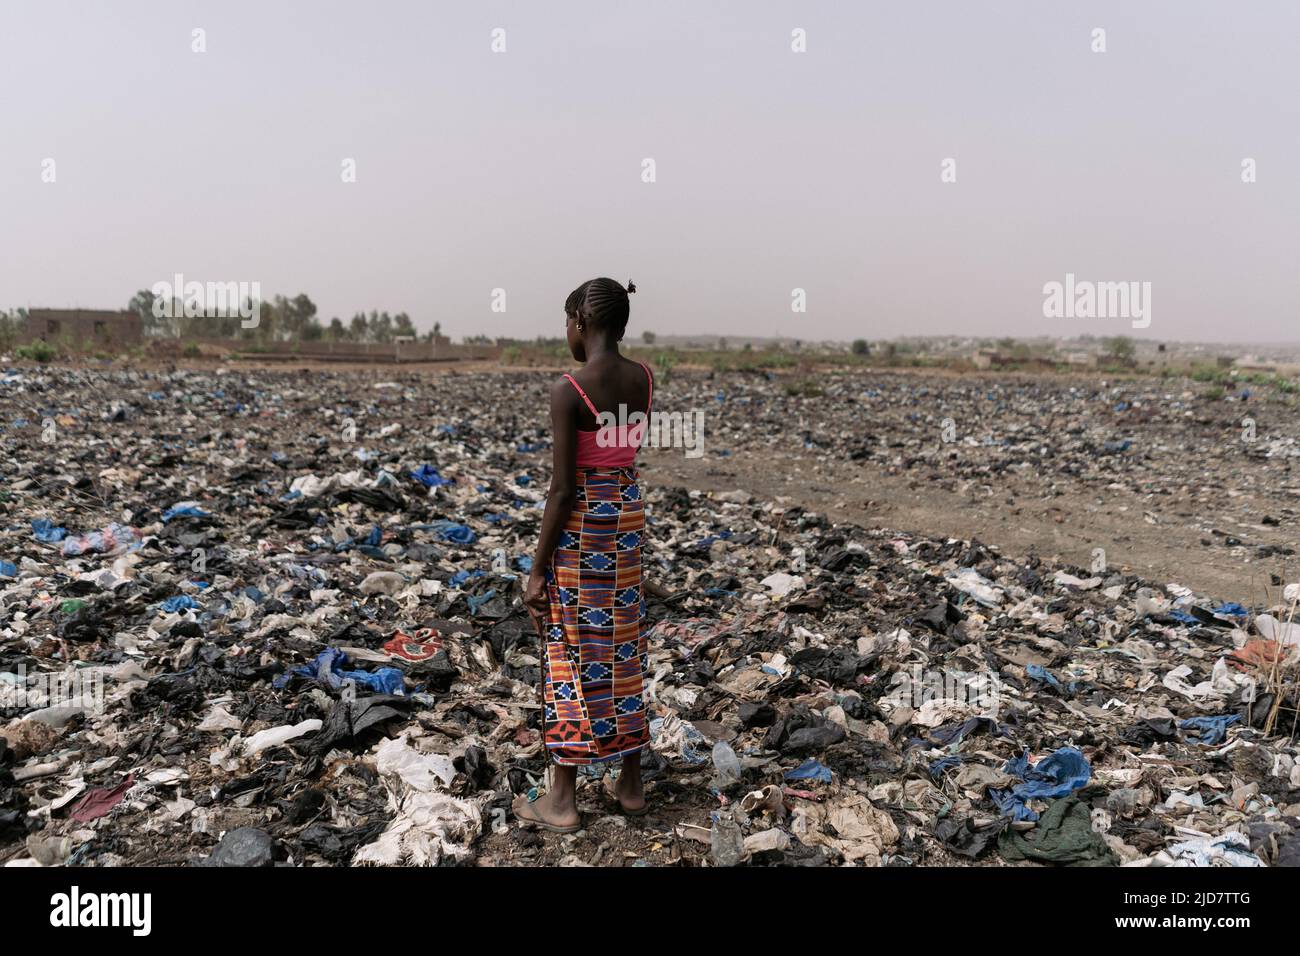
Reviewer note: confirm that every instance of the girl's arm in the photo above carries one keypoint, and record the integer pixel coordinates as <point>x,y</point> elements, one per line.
<point>562,494</point>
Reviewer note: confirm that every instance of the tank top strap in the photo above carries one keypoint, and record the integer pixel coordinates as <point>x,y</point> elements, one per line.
<point>650,384</point>
<point>574,383</point>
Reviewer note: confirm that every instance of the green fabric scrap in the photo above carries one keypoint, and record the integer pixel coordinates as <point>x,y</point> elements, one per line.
<point>1063,835</point>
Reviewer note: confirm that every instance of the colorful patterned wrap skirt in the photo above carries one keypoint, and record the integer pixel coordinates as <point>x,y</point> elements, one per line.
<point>594,659</point>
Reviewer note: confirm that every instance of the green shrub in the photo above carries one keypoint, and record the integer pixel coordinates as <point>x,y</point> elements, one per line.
<point>805,388</point>
<point>664,362</point>
<point>37,352</point>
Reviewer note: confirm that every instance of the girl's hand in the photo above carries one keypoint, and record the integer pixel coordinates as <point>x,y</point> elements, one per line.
<point>535,598</point>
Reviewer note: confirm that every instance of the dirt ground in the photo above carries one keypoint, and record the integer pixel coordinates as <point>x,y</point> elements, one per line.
<point>1067,528</point>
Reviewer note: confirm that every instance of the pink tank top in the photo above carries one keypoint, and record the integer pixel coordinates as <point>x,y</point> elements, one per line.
<point>614,446</point>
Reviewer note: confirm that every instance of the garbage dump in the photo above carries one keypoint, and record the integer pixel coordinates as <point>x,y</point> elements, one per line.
<point>272,618</point>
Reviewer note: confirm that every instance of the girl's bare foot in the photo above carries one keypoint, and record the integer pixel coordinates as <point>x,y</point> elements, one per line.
<point>630,793</point>
<point>627,789</point>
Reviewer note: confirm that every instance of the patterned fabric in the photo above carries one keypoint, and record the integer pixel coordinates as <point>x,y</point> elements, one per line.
<point>595,657</point>
<point>420,646</point>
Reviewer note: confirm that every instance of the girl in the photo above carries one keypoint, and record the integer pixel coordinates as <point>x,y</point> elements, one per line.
<point>584,591</point>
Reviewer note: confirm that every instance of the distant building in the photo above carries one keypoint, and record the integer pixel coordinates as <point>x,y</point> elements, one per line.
<point>84,327</point>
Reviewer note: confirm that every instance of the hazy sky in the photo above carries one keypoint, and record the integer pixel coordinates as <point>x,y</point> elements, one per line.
<point>775,170</point>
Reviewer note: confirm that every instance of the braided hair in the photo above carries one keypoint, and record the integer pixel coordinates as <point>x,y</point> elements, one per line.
<point>603,302</point>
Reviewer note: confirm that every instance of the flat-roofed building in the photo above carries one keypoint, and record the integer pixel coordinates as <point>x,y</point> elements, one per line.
<point>81,327</point>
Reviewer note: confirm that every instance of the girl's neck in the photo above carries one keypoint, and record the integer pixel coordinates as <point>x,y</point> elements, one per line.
<point>602,351</point>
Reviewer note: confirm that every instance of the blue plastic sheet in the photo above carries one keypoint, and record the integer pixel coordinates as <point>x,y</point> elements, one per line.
<point>937,767</point>
<point>181,602</point>
<point>184,511</point>
<point>810,769</point>
<point>707,541</point>
<point>428,476</point>
<point>8,569</point>
<point>454,533</point>
<point>328,670</point>
<point>44,530</point>
<point>476,602</point>
<point>1209,730</point>
<point>1059,773</point>
<point>1040,673</point>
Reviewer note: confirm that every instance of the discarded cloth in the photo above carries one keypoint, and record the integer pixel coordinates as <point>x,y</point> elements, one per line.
<point>1063,835</point>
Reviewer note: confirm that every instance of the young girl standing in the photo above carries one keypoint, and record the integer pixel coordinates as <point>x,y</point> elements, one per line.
<point>584,591</point>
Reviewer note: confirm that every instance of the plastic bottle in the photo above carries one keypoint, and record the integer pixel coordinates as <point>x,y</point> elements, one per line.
<point>726,763</point>
<point>726,841</point>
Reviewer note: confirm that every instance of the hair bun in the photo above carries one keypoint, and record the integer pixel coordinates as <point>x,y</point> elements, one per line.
<point>631,286</point>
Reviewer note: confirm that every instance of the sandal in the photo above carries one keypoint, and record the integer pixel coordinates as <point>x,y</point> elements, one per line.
<point>533,821</point>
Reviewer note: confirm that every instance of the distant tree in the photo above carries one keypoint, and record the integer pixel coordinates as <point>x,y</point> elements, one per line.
<point>290,319</point>
<point>381,326</point>
<point>336,332</point>
<point>1006,345</point>
<point>142,305</point>
<point>11,324</point>
<point>648,337</point>
<point>1120,348</point>
<point>358,328</point>
<point>860,347</point>
<point>402,325</point>
<point>303,322</point>
<point>437,329</point>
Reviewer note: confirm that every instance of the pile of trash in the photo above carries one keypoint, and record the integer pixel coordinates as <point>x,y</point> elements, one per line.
<point>272,618</point>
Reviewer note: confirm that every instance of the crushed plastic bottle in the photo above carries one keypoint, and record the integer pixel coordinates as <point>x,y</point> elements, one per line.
<point>726,841</point>
<point>727,764</point>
